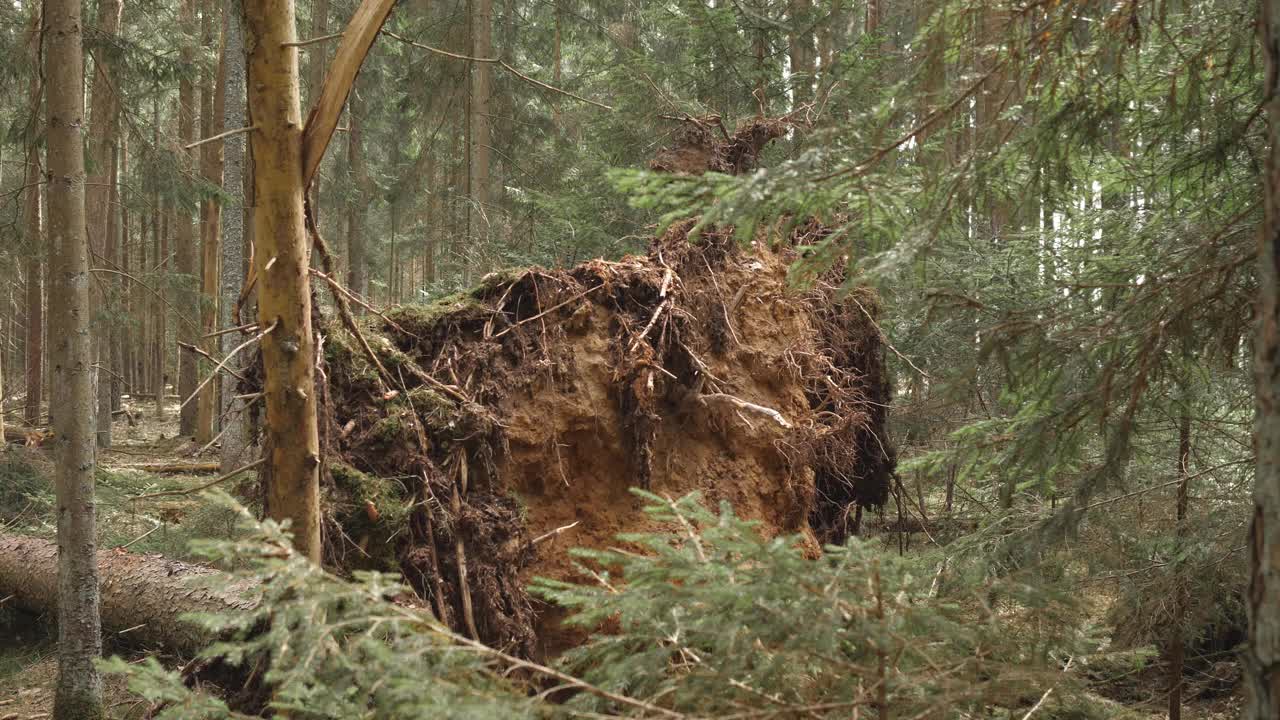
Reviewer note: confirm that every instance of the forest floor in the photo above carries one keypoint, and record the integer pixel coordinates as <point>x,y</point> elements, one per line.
<point>28,667</point>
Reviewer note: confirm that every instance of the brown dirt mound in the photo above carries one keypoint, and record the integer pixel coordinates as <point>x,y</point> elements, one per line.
<point>509,423</point>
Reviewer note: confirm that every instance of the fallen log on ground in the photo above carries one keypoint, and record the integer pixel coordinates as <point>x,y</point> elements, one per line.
<point>143,596</point>
<point>177,468</point>
<point>19,435</point>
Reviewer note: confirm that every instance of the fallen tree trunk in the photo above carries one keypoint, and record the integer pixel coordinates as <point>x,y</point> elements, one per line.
<point>177,468</point>
<point>19,435</point>
<point>143,596</point>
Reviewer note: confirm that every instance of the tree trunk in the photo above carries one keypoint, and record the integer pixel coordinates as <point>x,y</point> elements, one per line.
<point>481,119</point>
<point>1262,656</point>
<point>103,116</point>
<point>143,594</point>
<point>1177,647</point>
<point>111,259</point>
<point>160,246</point>
<point>34,238</point>
<point>557,66</point>
<point>357,277</point>
<point>316,62</point>
<point>281,259</point>
<point>79,686</point>
<point>211,105</point>
<point>235,433</point>
<point>127,338</point>
<point>802,50</point>
<point>188,367</point>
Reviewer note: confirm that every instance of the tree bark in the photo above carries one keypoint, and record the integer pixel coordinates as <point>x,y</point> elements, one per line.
<point>103,121</point>
<point>235,433</point>
<point>144,595</point>
<point>316,62</point>
<point>357,277</point>
<point>1177,646</point>
<point>281,260</point>
<point>34,345</point>
<point>802,52</point>
<point>79,686</point>
<point>211,105</point>
<point>481,117</point>
<point>188,366</point>
<point>161,247</point>
<point>1262,655</point>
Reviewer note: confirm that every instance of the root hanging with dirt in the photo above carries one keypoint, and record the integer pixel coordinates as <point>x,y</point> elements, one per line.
<point>471,442</point>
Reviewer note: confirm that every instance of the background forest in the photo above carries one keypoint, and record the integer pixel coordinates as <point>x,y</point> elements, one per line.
<point>1057,202</point>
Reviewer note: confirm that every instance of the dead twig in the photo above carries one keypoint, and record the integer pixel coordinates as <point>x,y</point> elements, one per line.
<point>227,359</point>
<point>557,531</point>
<point>205,354</point>
<point>344,310</point>
<point>496,61</point>
<point>743,404</point>
<point>549,310</point>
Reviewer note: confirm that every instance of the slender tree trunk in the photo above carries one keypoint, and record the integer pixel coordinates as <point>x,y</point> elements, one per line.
<point>235,435</point>
<point>1177,647</point>
<point>161,237</point>
<point>126,340</point>
<point>317,56</point>
<point>481,120</point>
<point>111,257</point>
<point>211,170</point>
<point>188,299</point>
<point>1262,656</point>
<point>281,259</point>
<point>802,50</point>
<point>557,63</point>
<point>104,111</point>
<point>357,278</point>
<point>79,687</point>
<point>35,240</point>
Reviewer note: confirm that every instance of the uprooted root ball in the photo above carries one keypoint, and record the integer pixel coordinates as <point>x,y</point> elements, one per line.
<point>507,424</point>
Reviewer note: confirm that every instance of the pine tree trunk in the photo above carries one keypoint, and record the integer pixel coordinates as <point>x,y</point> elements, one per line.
<point>104,111</point>
<point>1262,656</point>
<point>111,259</point>
<point>802,50</point>
<point>34,235</point>
<point>235,435</point>
<point>481,120</point>
<point>144,594</point>
<point>281,259</point>
<point>557,66</point>
<point>211,89</point>
<point>161,237</point>
<point>126,342</point>
<point>316,62</point>
<point>188,299</point>
<point>79,688</point>
<point>357,277</point>
<point>1177,646</point>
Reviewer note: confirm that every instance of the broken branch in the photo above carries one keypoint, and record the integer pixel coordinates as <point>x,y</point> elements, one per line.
<point>743,404</point>
<point>227,359</point>
<point>497,61</point>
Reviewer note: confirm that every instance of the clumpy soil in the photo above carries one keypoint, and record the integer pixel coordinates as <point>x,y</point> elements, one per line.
<point>500,427</point>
